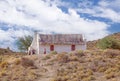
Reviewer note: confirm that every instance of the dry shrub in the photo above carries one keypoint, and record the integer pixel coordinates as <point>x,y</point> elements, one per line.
<point>17,61</point>
<point>1,59</point>
<point>114,79</point>
<point>74,71</point>
<point>63,58</point>
<point>3,73</point>
<point>47,57</point>
<point>4,64</point>
<point>110,75</point>
<point>74,58</point>
<point>13,68</point>
<point>109,70</point>
<point>25,62</point>
<point>89,72</point>
<point>92,66</point>
<point>53,52</point>
<point>79,53</point>
<point>32,74</point>
<point>89,78</point>
<point>111,53</point>
<point>102,69</point>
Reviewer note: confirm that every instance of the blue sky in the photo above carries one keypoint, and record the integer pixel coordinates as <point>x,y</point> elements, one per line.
<point>93,18</point>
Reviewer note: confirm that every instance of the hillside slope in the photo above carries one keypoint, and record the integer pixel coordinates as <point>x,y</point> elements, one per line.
<point>99,65</point>
<point>5,51</point>
<point>91,45</point>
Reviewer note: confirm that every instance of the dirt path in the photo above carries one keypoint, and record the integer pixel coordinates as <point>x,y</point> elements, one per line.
<point>46,71</point>
<point>47,76</point>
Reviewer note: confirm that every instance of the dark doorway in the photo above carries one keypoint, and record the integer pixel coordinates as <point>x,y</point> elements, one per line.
<point>51,47</point>
<point>44,50</point>
<point>72,47</point>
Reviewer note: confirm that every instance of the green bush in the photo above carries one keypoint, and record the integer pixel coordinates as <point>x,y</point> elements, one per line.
<point>109,42</point>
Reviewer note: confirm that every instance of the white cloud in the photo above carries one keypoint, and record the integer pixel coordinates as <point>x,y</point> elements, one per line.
<point>105,9</point>
<point>8,38</point>
<point>40,15</point>
<point>113,4</point>
<point>5,36</point>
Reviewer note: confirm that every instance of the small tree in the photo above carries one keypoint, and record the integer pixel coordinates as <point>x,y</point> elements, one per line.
<point>109,42</point>
<point>24,42</point>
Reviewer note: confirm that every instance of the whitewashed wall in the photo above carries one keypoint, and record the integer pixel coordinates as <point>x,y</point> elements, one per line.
<point>42,47</point>
<point>34,44</point>
<point>80,47</point>
<point>60,48</point>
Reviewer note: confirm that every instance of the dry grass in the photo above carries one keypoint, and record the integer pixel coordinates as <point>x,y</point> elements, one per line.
<point>106,63</point>
<point>93,65</point>
<point>17,68</point>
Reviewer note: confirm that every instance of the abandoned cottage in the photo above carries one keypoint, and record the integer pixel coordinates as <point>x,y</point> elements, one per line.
<point>45,43</point>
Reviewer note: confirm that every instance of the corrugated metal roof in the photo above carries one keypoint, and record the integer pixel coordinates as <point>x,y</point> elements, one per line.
<point>61,39</point>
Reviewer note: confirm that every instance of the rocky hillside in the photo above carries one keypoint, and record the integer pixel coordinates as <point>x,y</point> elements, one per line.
<point>116,36</point>
<point>93,44</point>
<point>5,51</point>
<point>99,65</point>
